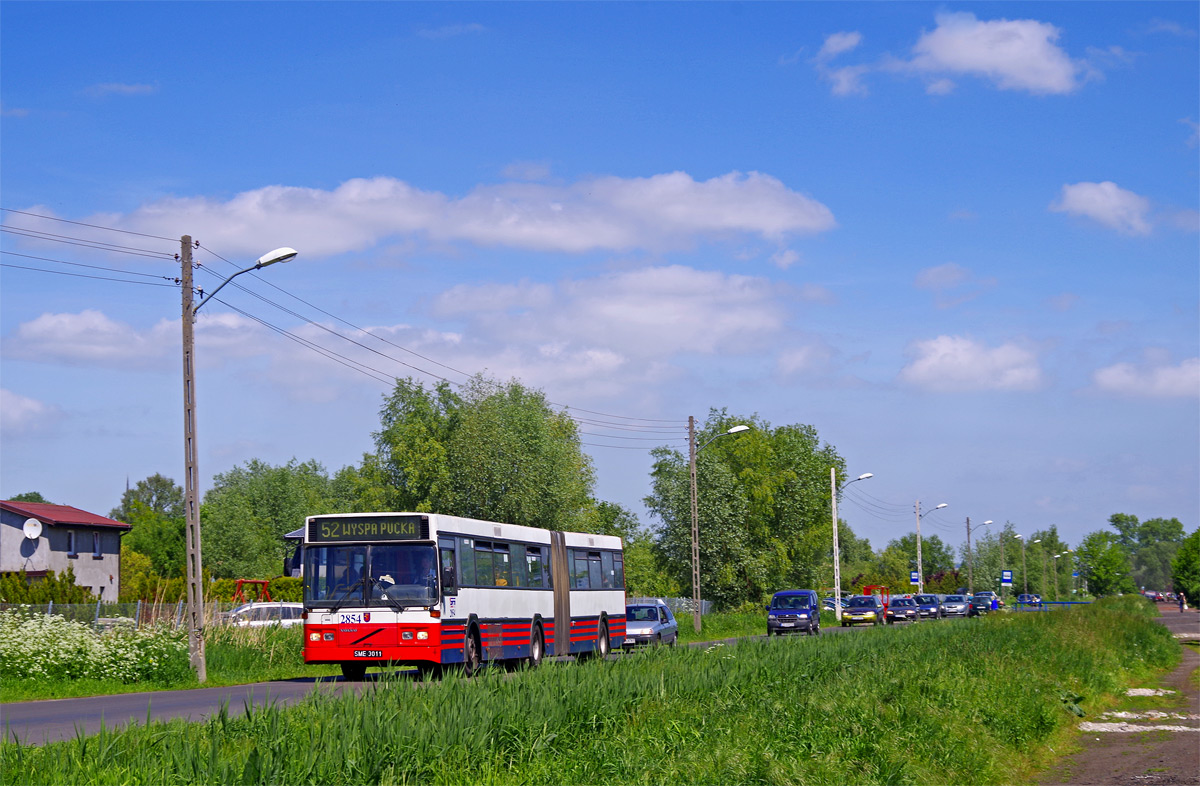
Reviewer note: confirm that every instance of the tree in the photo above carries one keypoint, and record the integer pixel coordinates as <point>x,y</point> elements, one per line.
<point>1185,568</point>
<point>31,496</point>
<point>1104,562</point>
<point>763,502</point>
<point>250,508</point>
<point>160,538</point>
<point>936,556</point>
<point>1151,545</point>
<point>157,493</point>
<point>491,451</point>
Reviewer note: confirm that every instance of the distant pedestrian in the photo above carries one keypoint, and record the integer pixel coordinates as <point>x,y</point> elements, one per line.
<point>1181,603</point>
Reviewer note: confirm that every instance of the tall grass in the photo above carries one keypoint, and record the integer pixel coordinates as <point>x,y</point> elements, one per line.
<point>961,703</point>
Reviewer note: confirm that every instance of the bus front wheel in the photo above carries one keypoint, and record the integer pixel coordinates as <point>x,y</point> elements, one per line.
<point>354,672</point>
<point>537,649</point>
<point>471,658</point>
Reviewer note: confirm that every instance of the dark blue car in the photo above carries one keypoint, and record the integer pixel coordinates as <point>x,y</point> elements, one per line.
<point>792,611</point>
<point>930,606</point>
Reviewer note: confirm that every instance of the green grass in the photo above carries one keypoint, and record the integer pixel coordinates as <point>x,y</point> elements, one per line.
<point>970,702</point>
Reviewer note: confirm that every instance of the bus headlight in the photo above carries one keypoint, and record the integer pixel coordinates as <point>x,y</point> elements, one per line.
<point>422,635</point>
<point>314,636</point>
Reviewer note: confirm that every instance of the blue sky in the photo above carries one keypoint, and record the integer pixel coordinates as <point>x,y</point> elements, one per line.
<point>960,239</point>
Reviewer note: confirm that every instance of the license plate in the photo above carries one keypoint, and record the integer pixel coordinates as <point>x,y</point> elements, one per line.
<point>786,624</point>
<point>368,653</point>
<point>630,641</point>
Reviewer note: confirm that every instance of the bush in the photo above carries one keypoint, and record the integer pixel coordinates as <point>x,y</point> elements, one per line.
<point>18,588</point>
<point>48,646</point>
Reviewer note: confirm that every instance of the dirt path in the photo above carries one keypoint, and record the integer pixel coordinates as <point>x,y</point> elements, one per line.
<point>1152,740</point>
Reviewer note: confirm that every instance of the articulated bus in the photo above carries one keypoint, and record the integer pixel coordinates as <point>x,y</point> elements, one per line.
<point>428,590</point>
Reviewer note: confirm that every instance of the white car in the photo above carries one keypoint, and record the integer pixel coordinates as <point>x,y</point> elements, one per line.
<point>649,624</point>
<point>258,615</point>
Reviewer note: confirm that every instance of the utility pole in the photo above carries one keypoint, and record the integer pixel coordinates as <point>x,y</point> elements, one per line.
<point>195,597</point>
<point>970,561</point>
<point>1024,572</point>
<point>837,560</point>
<point>920,572</point>
<point>695,525</point>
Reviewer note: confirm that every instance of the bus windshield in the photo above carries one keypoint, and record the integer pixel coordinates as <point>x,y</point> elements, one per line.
<point>393,574</point>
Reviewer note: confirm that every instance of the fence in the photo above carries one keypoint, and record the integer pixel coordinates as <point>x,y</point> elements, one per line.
<point>105,616</point>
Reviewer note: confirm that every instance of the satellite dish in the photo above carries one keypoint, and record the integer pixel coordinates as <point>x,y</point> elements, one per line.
<point>33,529</point>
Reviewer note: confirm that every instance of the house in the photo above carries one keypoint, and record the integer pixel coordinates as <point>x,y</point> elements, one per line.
<point>37,537</point>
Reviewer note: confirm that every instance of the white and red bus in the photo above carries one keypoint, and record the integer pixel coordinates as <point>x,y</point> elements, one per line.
<point>429,590</point>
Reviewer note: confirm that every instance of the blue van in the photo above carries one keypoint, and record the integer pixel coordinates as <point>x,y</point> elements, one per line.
<point>791,611</point>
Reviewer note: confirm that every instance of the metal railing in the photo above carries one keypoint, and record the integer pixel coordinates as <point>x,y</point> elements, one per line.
<point>140,614</point>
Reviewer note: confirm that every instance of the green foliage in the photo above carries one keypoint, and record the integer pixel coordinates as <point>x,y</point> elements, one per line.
<point>645,576</point>
<point>763,503</point>
<point>283,588</point>
<point>1105,564</point>
<point>30,496</point>
<point>936,556</point>
<point>156,493</point>
<point>1151,545</point>
<point>158,537</point>
<point>494,452</point>
<point>877,707</point>
<point>19,588</point>
<point>250,508</point>
<point>1185,569</point>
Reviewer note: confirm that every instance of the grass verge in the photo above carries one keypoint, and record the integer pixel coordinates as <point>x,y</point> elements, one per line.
<point>964,703</point>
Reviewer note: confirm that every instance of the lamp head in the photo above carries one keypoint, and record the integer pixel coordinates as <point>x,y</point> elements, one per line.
<point>989,521</point>
<point>943,505</point>
<point>864,476</point>
<point>278,255</point>
<point>1039,540</point>
<point>737,429</point>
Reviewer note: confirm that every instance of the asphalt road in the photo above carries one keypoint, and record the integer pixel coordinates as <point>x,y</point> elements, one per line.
<point>40,722</point>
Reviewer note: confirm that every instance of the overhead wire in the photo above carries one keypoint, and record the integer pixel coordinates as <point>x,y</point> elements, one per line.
<point>85,224</point>
<point>98,245</point>
<point>84,275</point>
<point>174,279</point>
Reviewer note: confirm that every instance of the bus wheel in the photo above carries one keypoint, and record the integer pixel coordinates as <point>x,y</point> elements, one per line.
<point>603,645</point>
<point>471,660</point>
<point>537,649</point>
<point>354,672</point>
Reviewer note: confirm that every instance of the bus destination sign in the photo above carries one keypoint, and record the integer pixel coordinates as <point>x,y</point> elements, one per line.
<point>331,529</point>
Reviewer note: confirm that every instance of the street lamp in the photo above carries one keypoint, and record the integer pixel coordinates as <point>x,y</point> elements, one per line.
<point>195,596</point>
<point>1044,568</point>
<point>1056,556</point>
<point>970,557</point>
<point>692,451</point>
<point>920,515</point>
<point>837,560</point>
<point>1024,575</point>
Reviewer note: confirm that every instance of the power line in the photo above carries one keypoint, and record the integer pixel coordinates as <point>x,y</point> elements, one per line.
<point>83,275</point>
<point>92,267</point>
<point>50,237</point>
<point>83,224</point>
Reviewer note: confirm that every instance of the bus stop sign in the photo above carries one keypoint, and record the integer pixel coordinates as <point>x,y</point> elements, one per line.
<point>1006,578</point>
<point>913,578</point>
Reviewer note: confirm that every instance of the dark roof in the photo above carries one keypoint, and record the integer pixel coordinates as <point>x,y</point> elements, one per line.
<point>60,514</point>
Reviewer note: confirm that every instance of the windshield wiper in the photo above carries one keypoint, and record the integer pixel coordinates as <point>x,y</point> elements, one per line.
<point>366,587</point>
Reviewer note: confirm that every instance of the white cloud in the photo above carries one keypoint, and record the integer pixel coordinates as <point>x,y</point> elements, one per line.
<point>956,363</point>
<point>1156,377</point>
<point>1017,54</point>
<point>1063,302</point>
<point>11,111</point>
<point>811,358</point>
<point>1170,27</point>
<point>784,258</point>
<point>1106,203</point>
<point>838,43</point>
<point>90,338</point>
<point>600,214</point>
<point>815,293</point>
<point>119,89</point>
<point>942,277</point>
<point>22,416</point>
<point>527,170</point>
<point>848,81</point>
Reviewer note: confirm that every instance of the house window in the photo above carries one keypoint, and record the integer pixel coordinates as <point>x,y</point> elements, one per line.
<point>96,546</point>
<point>71,550</point>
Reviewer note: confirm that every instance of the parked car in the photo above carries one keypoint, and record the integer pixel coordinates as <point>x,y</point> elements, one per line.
<point>955,606</point>
<point>992,597</point>
<point>1029,599</point>
<point>903,610</point>
<point>261,614</point>
<point>929,606</point>
<point>793,610</point>
<point>649,623</point>
<point>863,608</point>
<point>980,604</point>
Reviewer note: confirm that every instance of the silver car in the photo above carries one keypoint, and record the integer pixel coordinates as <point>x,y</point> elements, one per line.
<point>956,606</point>
<point>649,623</point>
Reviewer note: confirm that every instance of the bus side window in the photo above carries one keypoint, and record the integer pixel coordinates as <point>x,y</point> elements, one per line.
<point>483,564</point>
<point>466,562</point>
<point>579,569</point>
<point>533,561</point>
<point>619,570</point>
<point>518,565</point>
<point>606,565</point>
<point>501,565</point>
<point>449,577</point>
<point>594,570</point>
